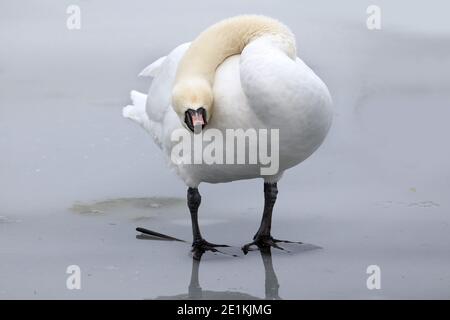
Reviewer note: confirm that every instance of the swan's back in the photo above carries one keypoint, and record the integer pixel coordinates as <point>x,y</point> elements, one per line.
<point>261,88</point>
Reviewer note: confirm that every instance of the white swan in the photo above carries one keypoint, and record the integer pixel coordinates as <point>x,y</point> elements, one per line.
<point>242,72</point>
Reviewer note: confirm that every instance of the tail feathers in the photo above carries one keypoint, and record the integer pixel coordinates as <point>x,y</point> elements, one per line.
<point>137,112</point>
<point>139,99</point>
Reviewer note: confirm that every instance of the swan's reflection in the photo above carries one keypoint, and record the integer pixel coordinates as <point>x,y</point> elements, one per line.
<point>271,280</point>
<point>195,291</point>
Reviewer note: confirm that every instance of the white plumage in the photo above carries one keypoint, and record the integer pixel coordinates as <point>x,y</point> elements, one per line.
<point>260,88</point>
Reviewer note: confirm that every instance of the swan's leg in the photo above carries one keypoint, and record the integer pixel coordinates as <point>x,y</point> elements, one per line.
<point>199,245</point>
<point>270,197</point>
<point>263,238</point>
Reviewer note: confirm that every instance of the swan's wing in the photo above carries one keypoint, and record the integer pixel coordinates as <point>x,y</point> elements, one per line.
<point>160,93</point>
<point>152,69</point>
<point>152,111</point>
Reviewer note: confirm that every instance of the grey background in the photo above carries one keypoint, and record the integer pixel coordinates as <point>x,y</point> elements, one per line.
<point>71,168</point>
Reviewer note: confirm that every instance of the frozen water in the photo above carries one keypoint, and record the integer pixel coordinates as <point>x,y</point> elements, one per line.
<point>76,178</point>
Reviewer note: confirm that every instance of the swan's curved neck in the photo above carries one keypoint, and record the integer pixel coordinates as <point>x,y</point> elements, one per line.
<point>227,38</point>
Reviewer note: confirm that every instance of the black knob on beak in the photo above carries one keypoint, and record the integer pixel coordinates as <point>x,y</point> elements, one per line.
<point>195,120</point>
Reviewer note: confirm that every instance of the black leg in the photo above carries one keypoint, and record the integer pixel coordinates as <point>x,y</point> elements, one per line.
<point>199,245</point>
<point>193,201</point>
<point>270,197</point>
<point>263,237</point>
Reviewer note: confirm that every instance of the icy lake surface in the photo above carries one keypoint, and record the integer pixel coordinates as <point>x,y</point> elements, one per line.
<point>76,178</point>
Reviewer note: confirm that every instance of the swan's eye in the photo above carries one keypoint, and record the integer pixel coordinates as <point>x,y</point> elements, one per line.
<point>195,120</point>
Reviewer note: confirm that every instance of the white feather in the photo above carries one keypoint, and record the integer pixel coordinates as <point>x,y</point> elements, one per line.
<point>152,69</point>
<point>260,88</point>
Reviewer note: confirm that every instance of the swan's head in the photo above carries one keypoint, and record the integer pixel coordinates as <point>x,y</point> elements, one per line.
<point>192,100</point>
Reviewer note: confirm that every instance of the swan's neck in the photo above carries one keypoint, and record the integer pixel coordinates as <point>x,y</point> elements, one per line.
<point>224,39</point>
